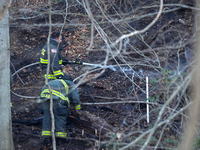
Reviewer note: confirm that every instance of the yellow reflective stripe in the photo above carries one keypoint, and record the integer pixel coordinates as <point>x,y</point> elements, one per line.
<point>77,107</point>
<point>58,94</point>
<point>11,105</point>
<point>61,134</point>
<point>44,61</point>
<point>67,99</point>
<point>50,76</point>
<point>43,51</point>
<point>66,89</point>
<point>66,86</point>
<point>43,94</point>
<point>59,72</point>
<point>46,133</point>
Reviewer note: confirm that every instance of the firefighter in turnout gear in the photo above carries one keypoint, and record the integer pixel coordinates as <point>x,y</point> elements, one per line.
<point>64,94</point>
<point>56,61</point>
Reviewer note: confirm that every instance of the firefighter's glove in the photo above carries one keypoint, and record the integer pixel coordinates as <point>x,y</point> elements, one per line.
<point>65,44</point>
<point>65,61</point>
<point>41,100</point>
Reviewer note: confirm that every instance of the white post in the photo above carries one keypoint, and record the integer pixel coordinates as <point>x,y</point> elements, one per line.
<point>147,95</point>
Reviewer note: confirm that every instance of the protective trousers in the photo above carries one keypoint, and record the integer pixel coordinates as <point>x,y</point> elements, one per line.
<point>60,116</point>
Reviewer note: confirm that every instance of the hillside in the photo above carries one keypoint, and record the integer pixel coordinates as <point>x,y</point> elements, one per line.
<point>163,53</point>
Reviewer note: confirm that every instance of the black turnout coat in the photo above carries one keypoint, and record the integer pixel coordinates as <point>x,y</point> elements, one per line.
<point>62,91</point>
<point>55,59</point>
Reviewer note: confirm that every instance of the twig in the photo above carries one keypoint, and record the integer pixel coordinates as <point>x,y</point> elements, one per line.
<point>158,125</point>
<point>31,97</point>
<point>183,6</point>
<point>187,79</point>
<point>92,26</point>
<point>120,102</point>
<point>143,30</point>
<point>46,82</point>
<point>17,74</point>
<point>160,137</point>
<point>88,24</point>
<point>25,67</point>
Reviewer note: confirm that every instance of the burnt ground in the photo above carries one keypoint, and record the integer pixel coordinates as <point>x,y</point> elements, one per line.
<point>111,86</point>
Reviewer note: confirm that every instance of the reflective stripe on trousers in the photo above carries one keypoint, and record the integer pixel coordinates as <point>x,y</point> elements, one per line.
<point>46,133</point>
<point>57,134</point>
<point>61,134</point>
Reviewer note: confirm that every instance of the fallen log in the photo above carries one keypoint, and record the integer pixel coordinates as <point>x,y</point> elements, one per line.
<point>89,122</point>
<point>35,121</point>
<point>92,124</point>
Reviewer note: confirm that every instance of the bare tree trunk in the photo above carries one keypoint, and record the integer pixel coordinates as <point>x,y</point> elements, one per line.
<point>6,140</point>
<point>3,7</point>
<point>190,134</point>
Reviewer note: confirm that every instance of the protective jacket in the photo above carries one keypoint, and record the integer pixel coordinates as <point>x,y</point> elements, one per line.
<point>64,94</point>
<point>55,59</point>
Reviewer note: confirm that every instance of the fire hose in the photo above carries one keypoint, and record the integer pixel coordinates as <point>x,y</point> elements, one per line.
<point>69,62</point>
